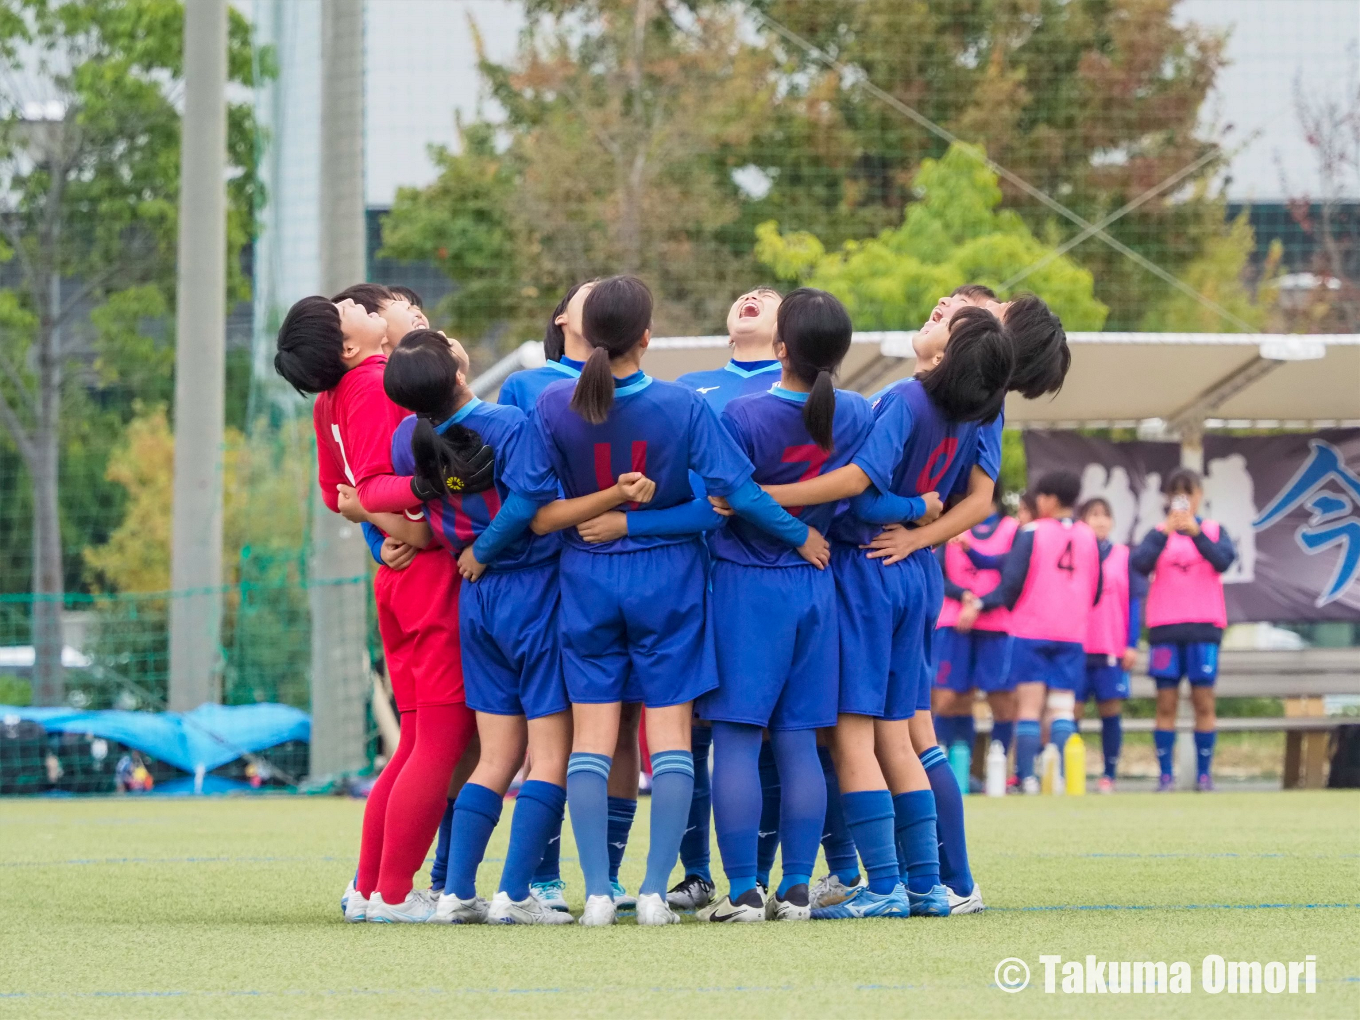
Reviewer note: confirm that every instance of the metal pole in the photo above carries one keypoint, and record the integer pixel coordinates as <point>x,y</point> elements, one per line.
<point>200,340</point>
<point>338,568</point>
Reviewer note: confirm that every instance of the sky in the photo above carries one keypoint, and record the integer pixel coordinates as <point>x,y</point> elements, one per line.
<point>422,67</point>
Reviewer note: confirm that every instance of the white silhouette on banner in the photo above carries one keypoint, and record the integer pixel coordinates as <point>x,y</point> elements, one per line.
<point>1230,499</point>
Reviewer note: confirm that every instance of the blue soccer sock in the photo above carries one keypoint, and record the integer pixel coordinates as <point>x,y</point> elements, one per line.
<point>1026,747</point>
<point>965,731</point>
<point>588,797</point>
<point>837,843</point>
<point>944,729</point>
<point>948,808</point>
<point>475,813</point>
<point>550,868</point>
<point>918,853</point>
<point>1165,742</point>
<point>621,812</point>
<point>1005,733</point>
<point>440,869</point>
<point>1060,729</point>
<point>538,809</point>
<point>672,792</point>
<point>695,846</point>
<point>1204,752</point>
<point>802,806</point>
<point>1111,741</point>
<point>737,801</point>
<point>869,813</point>
<point>768,837</point>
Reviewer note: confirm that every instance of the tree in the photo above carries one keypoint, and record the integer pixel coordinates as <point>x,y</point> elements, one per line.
<point>88,206</point>
<point>953,234</point>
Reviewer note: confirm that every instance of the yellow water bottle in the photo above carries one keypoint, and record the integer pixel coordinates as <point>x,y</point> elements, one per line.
<point>1074,764</point>
<point>1049,773</point>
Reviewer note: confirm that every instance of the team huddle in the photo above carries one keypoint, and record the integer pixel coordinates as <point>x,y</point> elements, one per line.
<point>750,555</point>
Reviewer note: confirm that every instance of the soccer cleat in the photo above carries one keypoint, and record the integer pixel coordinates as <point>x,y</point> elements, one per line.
<point>652,908</point>
<point>354,905</point>
<point>622,900</point>
<point>970,904</point>
<point>1205,784</point>
<point>863,902</point>
<point>930,904</point>
<point>452,910</point>
<point>1030,785</point>
<point>599,911</point>
<point>745,909</point>
<point>690,893</point>
<point>417,908</point>
<point>530,910</point>
<point>550,894</point>
<point>794,906</point>
<point>829,890</point>
<point>1105,785</point>
<point>1166,784</point>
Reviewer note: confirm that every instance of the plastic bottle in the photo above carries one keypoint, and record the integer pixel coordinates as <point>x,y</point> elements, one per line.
<point>1074,765</point>
<point>1050,778</point>
<point>996,770</point>
<point>961,763</point>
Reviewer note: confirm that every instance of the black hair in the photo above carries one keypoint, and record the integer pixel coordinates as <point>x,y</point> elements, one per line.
<point>399,290</point>
<point>310,346</point>
<point>371,295</point>
<point>422,376</point>
<point>969,383</point>
<point>1182,482</point>
<point>1042,356</point>
<point>974,291</point>
<point>1092,503</point>
<point>617,313</point>
<point>1028,501</point>
<point>815,330</point>
<point>555,337</point>
<point>1064,486</point>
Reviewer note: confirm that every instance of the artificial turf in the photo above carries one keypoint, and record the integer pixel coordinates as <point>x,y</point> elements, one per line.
<point>229,907</point>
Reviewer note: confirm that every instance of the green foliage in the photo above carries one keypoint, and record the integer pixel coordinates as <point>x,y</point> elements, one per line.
<point>15,691</point>
<point>953,234</point>
<point>1219,274</point>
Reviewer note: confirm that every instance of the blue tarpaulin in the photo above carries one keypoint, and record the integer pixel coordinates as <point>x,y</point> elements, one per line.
<point>210,735</point>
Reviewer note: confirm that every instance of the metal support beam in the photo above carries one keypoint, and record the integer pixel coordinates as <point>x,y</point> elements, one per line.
<point>200,370</point>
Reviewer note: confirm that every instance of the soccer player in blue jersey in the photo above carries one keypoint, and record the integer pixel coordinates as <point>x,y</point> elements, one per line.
<point>753,368</point>
<point>923,442</point>
<point>632,609</point>
<point>779,671</point>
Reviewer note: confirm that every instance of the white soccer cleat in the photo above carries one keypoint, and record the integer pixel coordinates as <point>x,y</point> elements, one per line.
<point>829,890</point>
<point>504,910</point>
<point>354,905</point>
<point>599,912</point>
<point>550,894</point>
<point>452,910</point>
<point>970,904</point>
<point>795,907</point>
<point>417,908</point>
<point>652,908</point>
<point>1030,785</point>
<point>748,908</point>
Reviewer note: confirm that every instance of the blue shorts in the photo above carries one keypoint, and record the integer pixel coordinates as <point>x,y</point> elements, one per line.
<point>1059,664</point>
<point>977,659</point>
<point>512,661</point>
<point>1106,680</point>
<point>881,618</point>
<point>1196,660</point>
<point>774,636</point>
<point>933,580</point>
<point>632,626</point>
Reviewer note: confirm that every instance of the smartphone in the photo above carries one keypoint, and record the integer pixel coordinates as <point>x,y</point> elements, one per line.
<point>1180,503</point>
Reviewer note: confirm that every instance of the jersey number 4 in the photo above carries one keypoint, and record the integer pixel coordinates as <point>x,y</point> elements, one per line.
<point>1066,562</point>
<point>810,454</point>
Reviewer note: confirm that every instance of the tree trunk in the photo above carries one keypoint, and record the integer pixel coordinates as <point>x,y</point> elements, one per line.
<point>49,677</point>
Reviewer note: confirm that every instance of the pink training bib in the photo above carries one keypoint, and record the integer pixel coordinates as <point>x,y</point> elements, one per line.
<point>959,569</point>
<point>1060,588</point>
<point>1107,632</point>
<point>1185,587</point>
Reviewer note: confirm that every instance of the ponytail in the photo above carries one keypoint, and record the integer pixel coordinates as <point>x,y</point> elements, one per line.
<point>815,330</point>
<point>453,462</point>
<point>970,382</point>
<point>617,315</point>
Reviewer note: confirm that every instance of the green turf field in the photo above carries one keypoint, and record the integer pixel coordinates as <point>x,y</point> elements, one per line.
<point>226,908</point>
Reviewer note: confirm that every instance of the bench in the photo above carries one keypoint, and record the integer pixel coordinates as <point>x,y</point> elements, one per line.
<point>1301,678</point>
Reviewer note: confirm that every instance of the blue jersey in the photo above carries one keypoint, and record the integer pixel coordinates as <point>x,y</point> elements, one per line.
<point>770,431</point>
<point>521,389</point>
<point>912,450</point>
<point>662,429</point>
<point>456,520</point>
<point>735,379</point>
